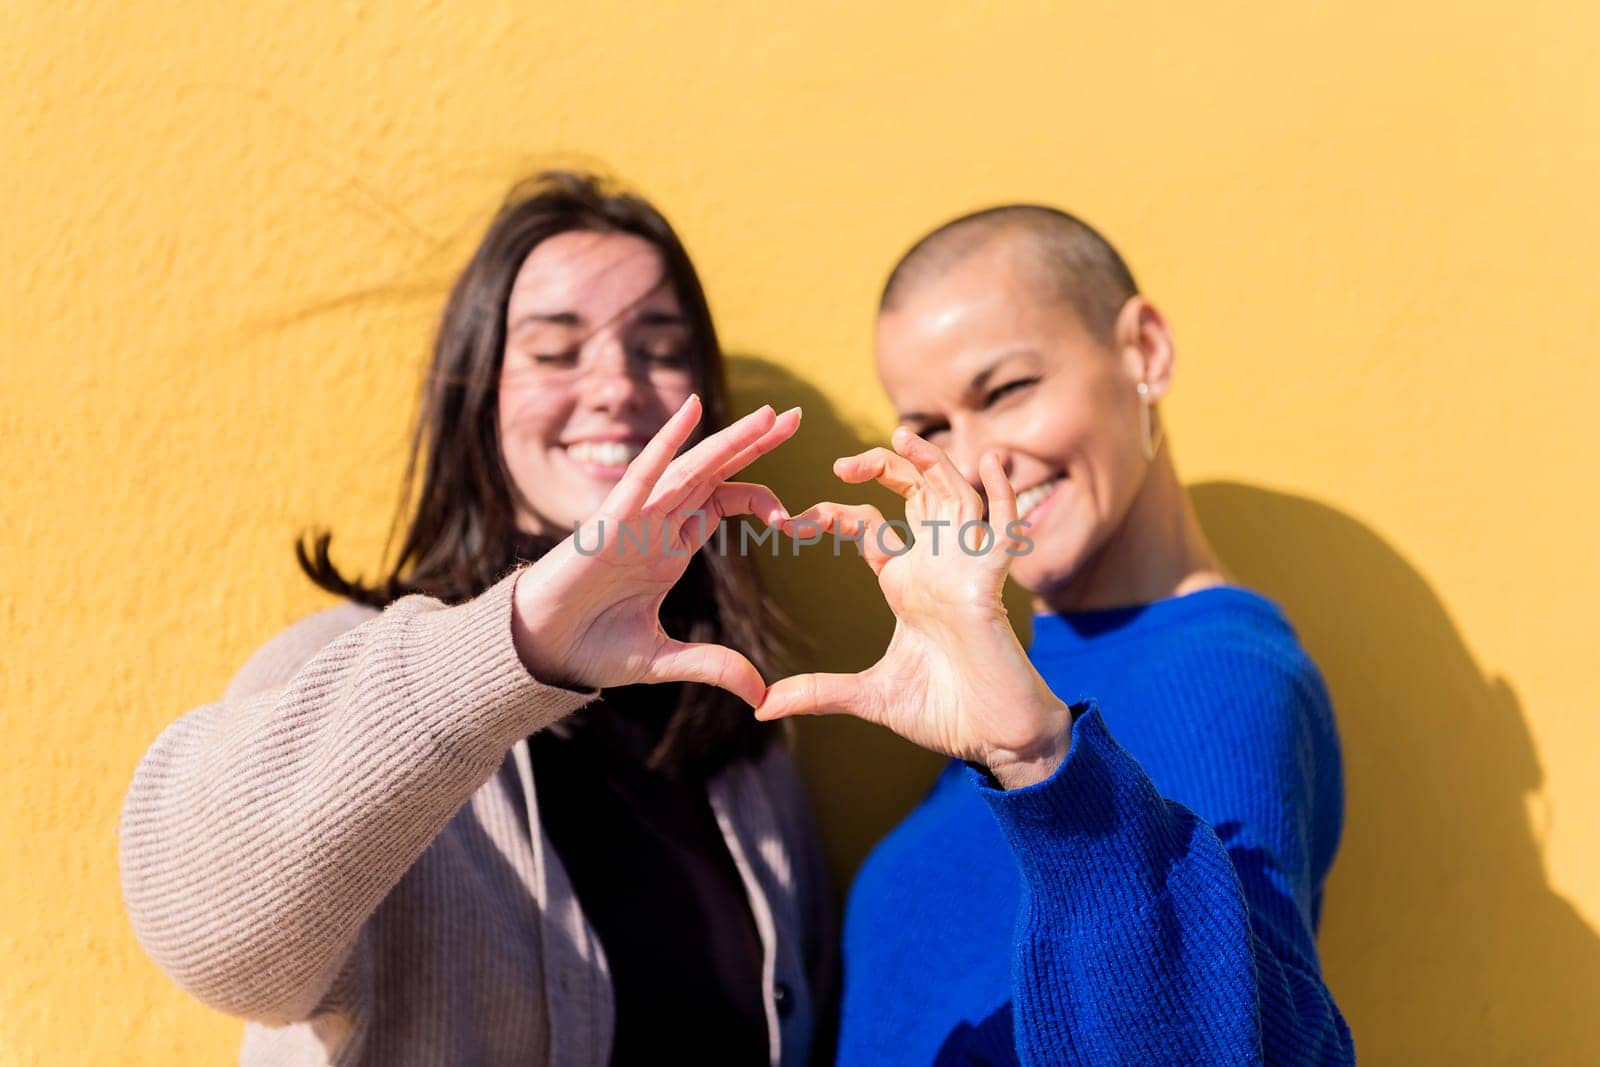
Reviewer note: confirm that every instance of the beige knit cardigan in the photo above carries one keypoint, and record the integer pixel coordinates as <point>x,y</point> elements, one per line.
<point>346,851</point>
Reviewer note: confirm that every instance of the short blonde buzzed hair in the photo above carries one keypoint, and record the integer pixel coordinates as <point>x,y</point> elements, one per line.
<point>1076,263</point>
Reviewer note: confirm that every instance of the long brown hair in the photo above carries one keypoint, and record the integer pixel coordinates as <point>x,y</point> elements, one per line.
<point>462,536</point>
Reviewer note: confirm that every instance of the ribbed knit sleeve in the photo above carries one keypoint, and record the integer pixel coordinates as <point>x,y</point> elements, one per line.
<point>1150,935</point>
<point>260,832</point>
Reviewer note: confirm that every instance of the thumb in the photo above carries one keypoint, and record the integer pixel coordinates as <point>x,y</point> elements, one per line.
<point>709,664</point>
<point>819,694</point>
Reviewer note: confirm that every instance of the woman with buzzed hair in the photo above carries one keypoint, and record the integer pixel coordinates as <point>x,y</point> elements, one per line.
<point>1124,861</point>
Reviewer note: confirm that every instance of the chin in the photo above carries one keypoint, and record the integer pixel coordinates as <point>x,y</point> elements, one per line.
<point>581,498</point>
<point>1042,581</point>
<point>560,522</point>
<point>1048,569</point>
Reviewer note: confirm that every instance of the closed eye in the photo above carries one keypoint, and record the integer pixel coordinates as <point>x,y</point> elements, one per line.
<point>928,431</point>
<point>1008,389</point>
<point>670,355</point>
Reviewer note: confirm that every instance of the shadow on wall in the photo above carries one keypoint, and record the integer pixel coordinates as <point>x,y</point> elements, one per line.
<point>862,779</point>
<point>1441,939</point>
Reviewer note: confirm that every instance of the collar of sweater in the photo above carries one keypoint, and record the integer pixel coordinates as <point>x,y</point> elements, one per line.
<point>1084,630</point>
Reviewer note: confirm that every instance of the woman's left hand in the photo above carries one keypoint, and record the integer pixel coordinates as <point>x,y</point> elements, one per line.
<point>954,678</point>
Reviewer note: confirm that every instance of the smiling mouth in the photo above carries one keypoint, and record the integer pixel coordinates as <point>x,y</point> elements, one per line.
<point>604,453</point>
<point>1029,499</point>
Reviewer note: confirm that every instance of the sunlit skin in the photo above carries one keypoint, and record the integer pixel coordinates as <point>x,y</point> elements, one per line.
<point>596,402</point>
<point>597,356</point>
<point>1011,408</point>
<point>982,359</point>
<point>954,678</point>
<point>594,619</point>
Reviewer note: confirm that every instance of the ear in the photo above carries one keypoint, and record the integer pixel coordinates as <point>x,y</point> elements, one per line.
<point>1144,342</point>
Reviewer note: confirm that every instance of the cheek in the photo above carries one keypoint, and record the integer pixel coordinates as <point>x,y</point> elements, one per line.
<point>669,397</point>
<point>1058,431</point>
<point>1091,422</point>
<point>1114,465</point>
<point>536,412</point>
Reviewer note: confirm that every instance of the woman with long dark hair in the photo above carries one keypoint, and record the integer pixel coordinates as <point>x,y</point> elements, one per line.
<point>507,803</point>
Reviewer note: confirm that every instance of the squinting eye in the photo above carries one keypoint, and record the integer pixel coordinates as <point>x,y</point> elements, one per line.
<point>1007,389</point>
<point>667,357</point>
<point>548,358</point>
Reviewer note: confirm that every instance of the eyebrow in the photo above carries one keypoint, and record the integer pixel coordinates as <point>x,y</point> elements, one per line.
<point>555,318</point>
<point>977,381</point>
<point>656,317</point>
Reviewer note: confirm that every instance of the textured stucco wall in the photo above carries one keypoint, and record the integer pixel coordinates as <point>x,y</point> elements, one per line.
<point>227,230</point>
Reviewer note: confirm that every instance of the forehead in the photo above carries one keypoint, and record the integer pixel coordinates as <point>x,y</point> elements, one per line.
<point>988,307</point>
<point>596,276</point>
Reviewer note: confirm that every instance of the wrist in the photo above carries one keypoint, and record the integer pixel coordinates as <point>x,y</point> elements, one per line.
<point>1037,759</point>
<point>532,634</point>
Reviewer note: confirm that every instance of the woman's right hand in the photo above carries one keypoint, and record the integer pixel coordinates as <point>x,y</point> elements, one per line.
<point>591,618</point>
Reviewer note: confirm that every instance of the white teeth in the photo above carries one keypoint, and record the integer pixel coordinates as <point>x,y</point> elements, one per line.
<point>1032,498</point>
<point>604,453</point>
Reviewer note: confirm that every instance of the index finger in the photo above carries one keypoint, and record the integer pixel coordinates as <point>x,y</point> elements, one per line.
<point>889,469</point>
<point>782,428</point>
<point>698,466</point>
<point>637,482</point>
<point>934,463</point>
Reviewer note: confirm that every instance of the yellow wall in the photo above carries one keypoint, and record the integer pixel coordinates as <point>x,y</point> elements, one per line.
<point>227,233</point>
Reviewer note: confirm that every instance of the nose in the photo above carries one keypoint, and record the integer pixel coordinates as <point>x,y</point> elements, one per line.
<point>965,455</point>
<point>609,383</point>
<point>965,452</point>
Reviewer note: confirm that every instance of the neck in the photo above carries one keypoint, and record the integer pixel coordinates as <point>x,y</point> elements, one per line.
<point>1158,551</point>
<point>528,546</point>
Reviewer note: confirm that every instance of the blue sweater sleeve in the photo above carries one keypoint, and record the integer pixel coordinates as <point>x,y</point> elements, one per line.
<point>1147,934</point>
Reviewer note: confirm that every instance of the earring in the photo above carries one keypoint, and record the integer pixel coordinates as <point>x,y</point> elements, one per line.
<point>1150,444</point>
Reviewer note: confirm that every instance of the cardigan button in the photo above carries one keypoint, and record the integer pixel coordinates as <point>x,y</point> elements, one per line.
<point>783,999</point>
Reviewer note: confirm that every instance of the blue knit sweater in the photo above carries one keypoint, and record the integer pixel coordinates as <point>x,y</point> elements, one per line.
<point>1154,901</point>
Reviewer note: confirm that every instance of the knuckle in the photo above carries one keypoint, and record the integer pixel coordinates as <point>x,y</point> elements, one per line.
<point>671,485</point>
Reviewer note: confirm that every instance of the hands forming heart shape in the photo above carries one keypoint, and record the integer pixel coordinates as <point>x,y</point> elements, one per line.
<point>954,678</point>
